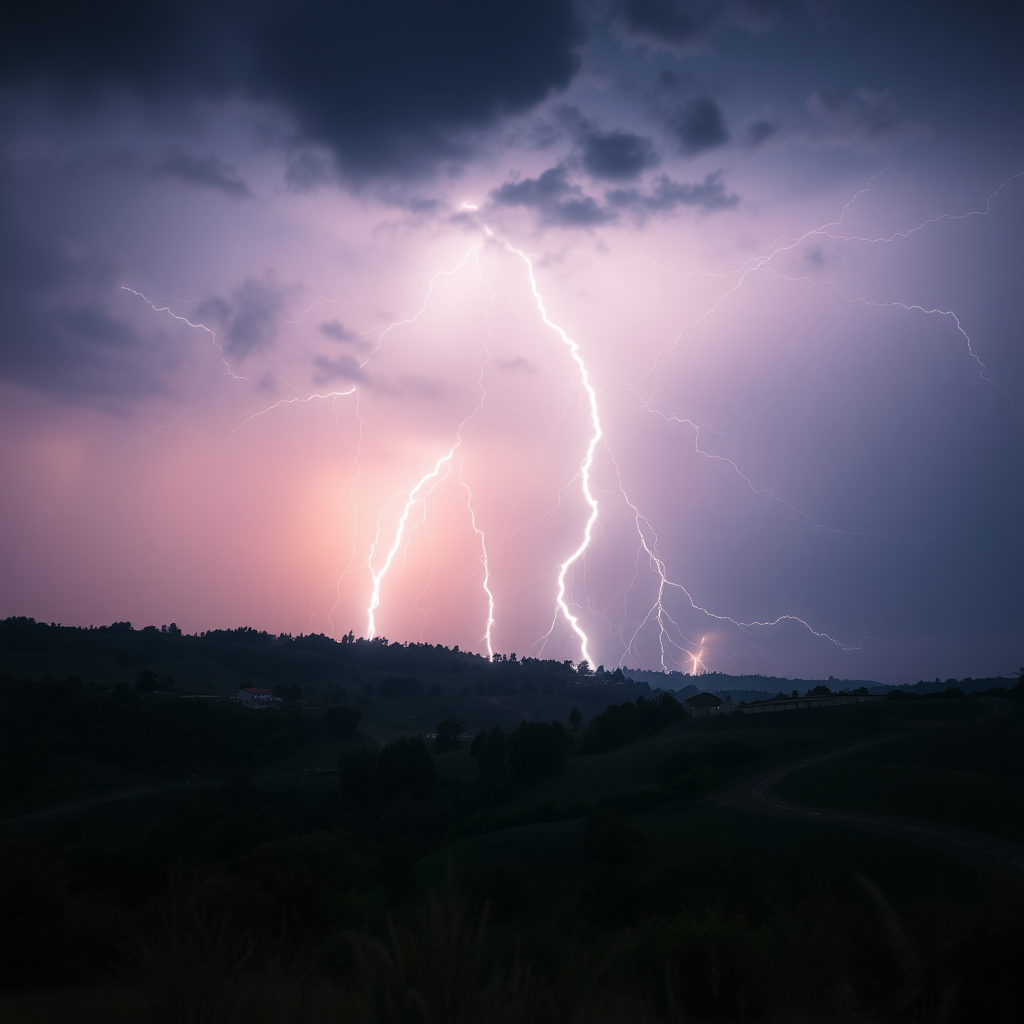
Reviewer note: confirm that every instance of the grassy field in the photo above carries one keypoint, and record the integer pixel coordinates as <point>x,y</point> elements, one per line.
<point>685,843</point>
<point>681,839</point>
<point>970,775</point>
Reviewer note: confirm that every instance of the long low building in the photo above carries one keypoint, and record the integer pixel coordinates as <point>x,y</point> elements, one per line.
<point>818,701</point>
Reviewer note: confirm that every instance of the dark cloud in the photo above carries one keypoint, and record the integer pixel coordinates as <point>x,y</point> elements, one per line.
<point>208,172</point>
<point>617,155</point>
<point>390,86</point>
<point>246,320</point>
<point>709,194</point>
<point>681,24</point>
<point>665,21</point>
<point>761,131</point>
<point>340,368</point>
<point>65,323</point>
<point>858,118</point>
<point>553,198</point>
<point>336,330</point>
<point>698,125</point>
<point>557,201</point>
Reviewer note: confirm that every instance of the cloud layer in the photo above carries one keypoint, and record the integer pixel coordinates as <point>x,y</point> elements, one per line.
<point>389,87</point>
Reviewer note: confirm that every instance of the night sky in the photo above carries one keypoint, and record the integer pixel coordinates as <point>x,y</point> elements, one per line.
<point>660,333</point>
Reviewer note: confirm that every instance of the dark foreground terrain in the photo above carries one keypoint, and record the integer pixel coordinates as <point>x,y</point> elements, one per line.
<point>415,834</point>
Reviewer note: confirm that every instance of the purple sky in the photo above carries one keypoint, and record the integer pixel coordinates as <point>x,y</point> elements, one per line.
<point>665,333</point>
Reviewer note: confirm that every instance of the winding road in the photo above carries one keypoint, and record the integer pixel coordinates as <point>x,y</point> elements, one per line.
<point>978,848</point>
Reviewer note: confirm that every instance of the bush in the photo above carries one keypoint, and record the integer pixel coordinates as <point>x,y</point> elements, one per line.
<point>406,767</point>
<point>35,940</point>
<point>489,750</point>
<point>308,876</point>
<point>619,724</point>
<point>690,775</point>
<point>449,734</point>
<point>535,750</point>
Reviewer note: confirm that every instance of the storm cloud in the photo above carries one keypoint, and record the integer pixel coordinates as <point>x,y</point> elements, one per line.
<point>679,24</point>
<point>389,87</point>
<point>554,198</point>
<point>207,172</point>
<point>709,194</point>
<point>698,125</point>
<point>247,317</point>
<point>618,155</point>
<point>65,323</point>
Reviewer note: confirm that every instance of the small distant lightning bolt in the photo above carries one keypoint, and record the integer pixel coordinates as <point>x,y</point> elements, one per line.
<point>588,459</point>
<point>660,615</point>
<point>697,658</point>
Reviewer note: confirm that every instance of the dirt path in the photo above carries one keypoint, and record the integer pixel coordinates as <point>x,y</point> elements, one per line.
<point>978,848</point>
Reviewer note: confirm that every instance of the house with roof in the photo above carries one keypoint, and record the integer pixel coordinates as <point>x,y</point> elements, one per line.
<point>254,697</point>
<point>701,704</point>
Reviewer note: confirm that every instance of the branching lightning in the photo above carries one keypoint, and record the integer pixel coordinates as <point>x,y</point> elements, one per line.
<point>674,646</point>
<point>588,458</point>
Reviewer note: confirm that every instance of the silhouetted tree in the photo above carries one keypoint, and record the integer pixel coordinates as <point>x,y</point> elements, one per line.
<point>575,717</point>
<point>624,723</point>
<point>534,750</point>
<point>406,767</point>
<point>145,680</point>
<point>489,750</point>
<point>449,734</point>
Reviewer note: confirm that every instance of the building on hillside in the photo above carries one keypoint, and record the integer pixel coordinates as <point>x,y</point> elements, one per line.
<point>253,697</point>
<point>827,700</point>
<point>701,704</point>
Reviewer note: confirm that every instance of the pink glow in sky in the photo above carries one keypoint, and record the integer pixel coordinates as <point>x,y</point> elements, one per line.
<point>248,354</point>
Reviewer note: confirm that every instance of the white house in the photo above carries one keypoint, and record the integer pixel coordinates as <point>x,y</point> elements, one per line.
<point>253,697</point>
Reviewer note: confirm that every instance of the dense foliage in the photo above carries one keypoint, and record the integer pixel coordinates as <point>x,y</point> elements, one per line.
<point>264,897</point>
<point>147,733</point>
<point>622,723</point>
<point>530,751</point>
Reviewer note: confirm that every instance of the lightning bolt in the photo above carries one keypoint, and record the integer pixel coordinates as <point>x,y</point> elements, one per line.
<point>414,497</point>
<point>670,634</point>
<point>697,658</point>
<point>588,459</point>
<point>435,475</point>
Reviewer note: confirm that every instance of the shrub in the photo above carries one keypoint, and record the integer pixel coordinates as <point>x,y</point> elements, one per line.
<point>489,750</point>
<point>449,734</point>
<point>406,767</point>
<point>534,750</point>
<point>619,724</point>
<point>308,876</point>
